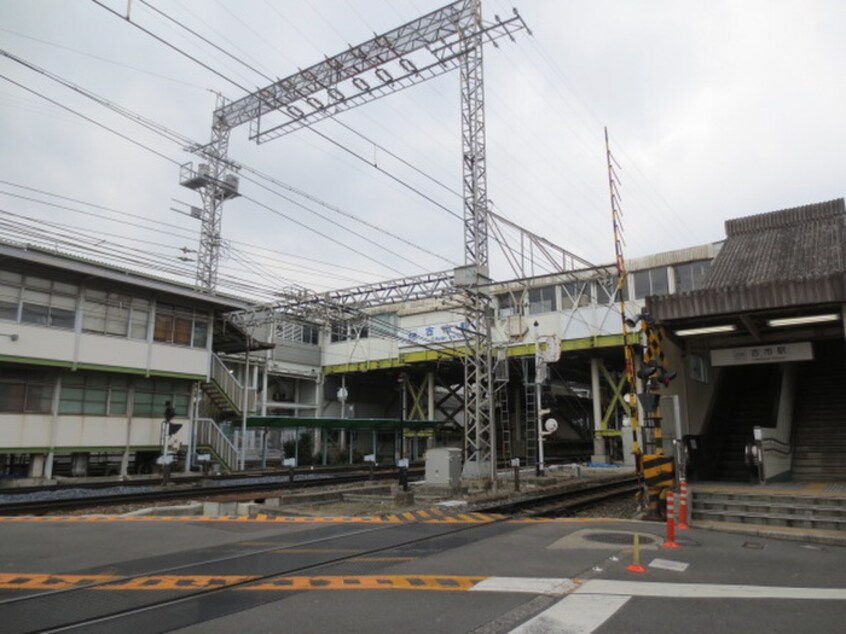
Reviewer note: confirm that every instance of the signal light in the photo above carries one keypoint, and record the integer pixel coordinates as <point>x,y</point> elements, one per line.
<point>649,401</point>
<point>172,428</point>
<point>666,377</point>
<point>647,371</point>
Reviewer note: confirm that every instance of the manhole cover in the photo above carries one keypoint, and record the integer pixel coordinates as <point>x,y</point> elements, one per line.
<point>618,538</point>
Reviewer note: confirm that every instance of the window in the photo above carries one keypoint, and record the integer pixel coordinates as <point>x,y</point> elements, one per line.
<point>541,300</point>
<point>152,394</point>
<point>180,326</point>
<point>691,276</point>
<point>509,304</point>
<point>93,394</point>
<point>574,294</point>
<point>384,325</point>
<point>10,295</point>
<point>347,330</point>
<point>36,300</point>
<point>606,290</point>
<point>650,282</point>
<point>107,313</point>
<point>48,303</point>
<point>29,391</point>
<point>298,333</point>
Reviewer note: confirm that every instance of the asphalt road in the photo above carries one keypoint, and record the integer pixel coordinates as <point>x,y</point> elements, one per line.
<point>422,574</point>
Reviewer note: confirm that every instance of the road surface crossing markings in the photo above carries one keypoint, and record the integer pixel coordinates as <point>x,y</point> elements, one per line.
<point>609,587</point>
<point>605,595</point>
<point>373,582</point>
<point>409,517</point>
<point>13,581</point>
<point>581,613</point>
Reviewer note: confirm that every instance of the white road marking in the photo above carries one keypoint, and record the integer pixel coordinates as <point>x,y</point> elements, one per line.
<point>525,584</point>
<point>605,587</point>
<point>666,564</point>
<point>574,614</point>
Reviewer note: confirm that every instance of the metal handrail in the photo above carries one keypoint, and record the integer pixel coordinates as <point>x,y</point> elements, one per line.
<point>230,386</point>
<point>208,433</point>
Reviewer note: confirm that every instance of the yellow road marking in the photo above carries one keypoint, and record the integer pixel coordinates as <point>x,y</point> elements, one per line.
<point>462,518</point>
<point>176,582</point>
<point>25,581</point>
<point>12,581</point>
<point>373,582</point>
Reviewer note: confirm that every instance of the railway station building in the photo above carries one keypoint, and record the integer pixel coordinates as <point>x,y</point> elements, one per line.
<point>751,327</point>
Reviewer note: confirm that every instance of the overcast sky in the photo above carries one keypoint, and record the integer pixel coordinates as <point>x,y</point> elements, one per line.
<point>716,110</point>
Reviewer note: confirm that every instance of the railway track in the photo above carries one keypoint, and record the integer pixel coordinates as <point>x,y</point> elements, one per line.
<point>89,605</point>
<point>565,500</point>
<point>157,493</point>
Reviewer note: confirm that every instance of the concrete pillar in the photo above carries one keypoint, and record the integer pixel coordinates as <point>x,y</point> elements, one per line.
<point>79,464</point>
<point>600,454</point>
<point>37,462</point>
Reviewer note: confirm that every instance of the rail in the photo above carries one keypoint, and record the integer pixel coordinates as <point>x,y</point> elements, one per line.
<point>207,433</point>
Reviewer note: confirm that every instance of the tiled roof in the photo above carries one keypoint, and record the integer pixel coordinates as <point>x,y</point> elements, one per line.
<point>803,243</point>
<point>788,258</point>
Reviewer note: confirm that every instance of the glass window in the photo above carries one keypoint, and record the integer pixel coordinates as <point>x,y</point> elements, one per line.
<point>140,318</point>
<point>542,300</point>
<point>340,331</point>
<point>575,294</point>
<point>118,399</point>
<point>28,391</point>
<point>152,394</point>
<point>606,290</point>
<point>93,315</point>
<point>384,325</point>
<point>39,398</point>
<point>311,334</point>
<point>691,276</point>
<point>36,307</point>
<point>508,304</point>
<point>181,326</point>
<point>63,311</point>
<point>651,282</point>
<point>201,334</point>
<point>12,397</point>
<point>9,296</point>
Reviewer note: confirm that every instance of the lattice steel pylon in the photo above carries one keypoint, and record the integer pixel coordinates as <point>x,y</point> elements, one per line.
<point>441,41</point>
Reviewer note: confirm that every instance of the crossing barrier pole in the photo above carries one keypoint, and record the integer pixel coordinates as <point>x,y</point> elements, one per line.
<point>683,497</point>
<point>671,522</point>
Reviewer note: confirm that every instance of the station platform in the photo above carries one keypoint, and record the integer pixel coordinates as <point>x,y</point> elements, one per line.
<point>413,573</point>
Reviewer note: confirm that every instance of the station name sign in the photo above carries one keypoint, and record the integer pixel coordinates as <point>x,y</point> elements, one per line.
<point>770,353</point>
<point>440,333</point>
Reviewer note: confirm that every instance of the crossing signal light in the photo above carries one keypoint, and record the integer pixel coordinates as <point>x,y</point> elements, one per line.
<point>648,401</point>
<point>666,377</point>
<point>647,371</point>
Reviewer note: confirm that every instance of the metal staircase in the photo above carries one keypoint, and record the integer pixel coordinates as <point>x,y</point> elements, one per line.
<point>208,435</point>
<point>225,392</point>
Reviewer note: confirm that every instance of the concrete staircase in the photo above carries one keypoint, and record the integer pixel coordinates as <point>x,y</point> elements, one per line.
<point>817,512</point>
<point>819,427</point>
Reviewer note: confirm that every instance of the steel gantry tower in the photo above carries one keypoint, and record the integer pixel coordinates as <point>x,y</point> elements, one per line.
<point>441,41</point>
